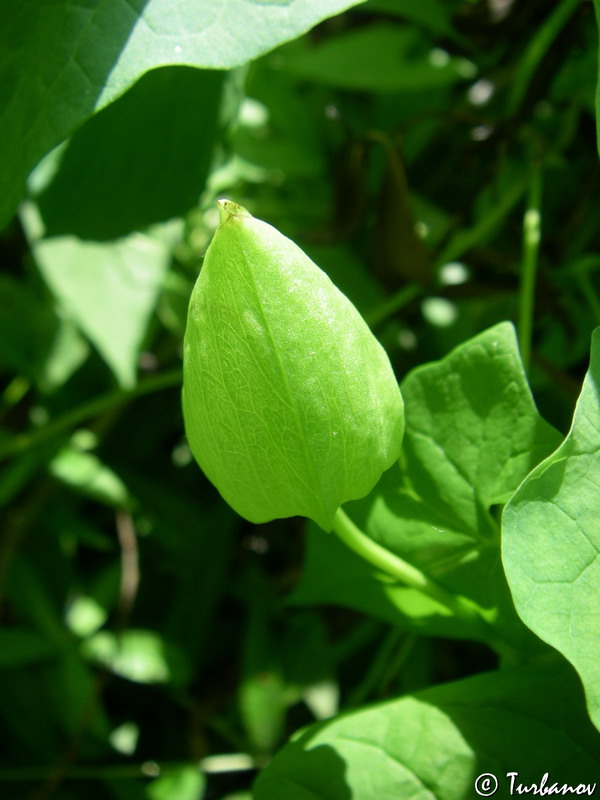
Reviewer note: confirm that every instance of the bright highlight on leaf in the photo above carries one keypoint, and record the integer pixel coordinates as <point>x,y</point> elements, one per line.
<point>290,403</point>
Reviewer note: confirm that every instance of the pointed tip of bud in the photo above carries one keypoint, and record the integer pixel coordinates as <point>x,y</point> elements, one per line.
<point>229,209</point>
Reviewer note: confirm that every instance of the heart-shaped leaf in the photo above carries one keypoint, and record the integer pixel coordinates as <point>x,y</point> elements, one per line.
<point>551,542</point>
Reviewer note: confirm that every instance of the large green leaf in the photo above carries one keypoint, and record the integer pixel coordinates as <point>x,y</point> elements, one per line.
<point>142,160</point>
<point>435,744</point>
<point>472,435</point>
<point>60,61</point>
<point>551,542</point>
<point>108,289</point>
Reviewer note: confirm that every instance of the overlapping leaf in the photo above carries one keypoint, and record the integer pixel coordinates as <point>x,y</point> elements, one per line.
<point>142,160</point>
<point>472,435</point>
<point>61,61</point>
<point>551,542</point>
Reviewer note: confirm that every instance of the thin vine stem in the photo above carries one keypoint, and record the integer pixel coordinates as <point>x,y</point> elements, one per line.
<point>92,408</point>
<point>538,46</point>
<point>531,245</point>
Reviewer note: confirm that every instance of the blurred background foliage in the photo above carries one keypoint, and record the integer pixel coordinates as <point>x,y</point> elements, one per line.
<point>144,627</point>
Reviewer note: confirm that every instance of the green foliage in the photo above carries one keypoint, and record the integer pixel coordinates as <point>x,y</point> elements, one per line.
<point>438,162</point>
<point>436,742</point>
<point>290,403</point>
<point>551,542</point>
<point>63,62</point>
<point>472,435</point>
<point>102,187</point>
<point>109,290</point>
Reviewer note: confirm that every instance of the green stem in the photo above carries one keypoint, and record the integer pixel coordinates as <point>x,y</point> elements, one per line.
<point>393,304</point>
<point>537,49</point>
<point>465,240</point>
<point>531,245</point>
<point>96,772</point>
<point>403,572</point>
<point>92,408</point>
<point>399,569</point>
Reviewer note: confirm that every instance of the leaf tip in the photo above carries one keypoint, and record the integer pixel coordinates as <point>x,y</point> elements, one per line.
<point>228,209</point>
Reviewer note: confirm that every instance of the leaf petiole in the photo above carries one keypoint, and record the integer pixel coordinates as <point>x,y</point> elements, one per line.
<point>409,575</point>
<point>398,568</point>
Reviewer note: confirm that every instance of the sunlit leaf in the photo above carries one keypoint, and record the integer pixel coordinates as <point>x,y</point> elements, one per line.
<point>61,61</point>
<point>86,473</point>
<point>551,542</point>
<point>108,290</point>
<point>138,655</point>
<point>437,742</point>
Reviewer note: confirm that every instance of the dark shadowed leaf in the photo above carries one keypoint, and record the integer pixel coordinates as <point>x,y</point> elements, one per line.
<point>61,61</point>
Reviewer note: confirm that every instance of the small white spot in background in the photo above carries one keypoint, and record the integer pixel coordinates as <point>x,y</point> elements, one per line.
<point>499,9</point>
<point>332,112</point>
<point>466,68</point>
<point>407,339</point>
<point>148,361</point>
<point>453,274</point>
<point>481,92</point>
<point>125,738</point>
<point>178,50</point>
<point>421,230</point>
<point>181,455</point>
<point>229,762</point>
<point>439,57</point>
<point>439,312</point>
<point>481,132</point>
<point>256,544</point>
<point>253,114</point>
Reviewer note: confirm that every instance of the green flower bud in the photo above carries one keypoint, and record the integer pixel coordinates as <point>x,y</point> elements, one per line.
<point>290,403</point>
